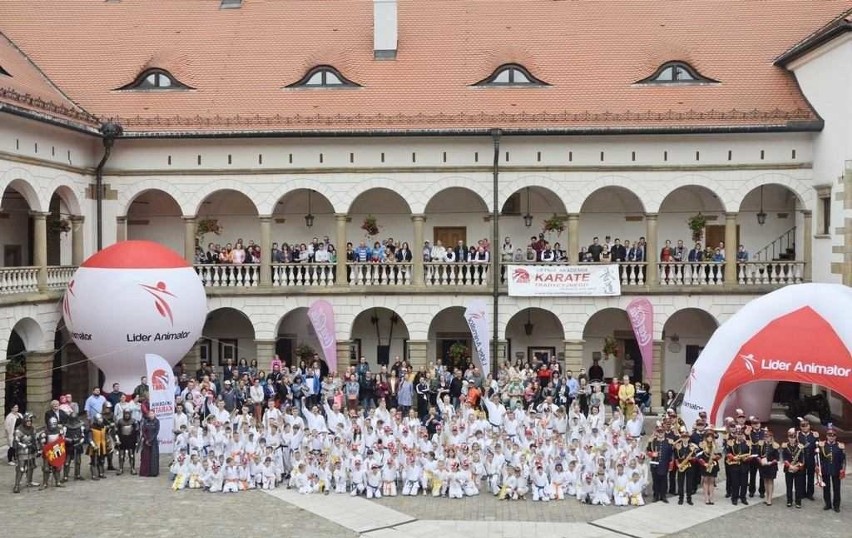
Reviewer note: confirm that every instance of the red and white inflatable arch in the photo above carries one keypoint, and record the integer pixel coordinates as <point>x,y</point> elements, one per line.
<point>800,333</point>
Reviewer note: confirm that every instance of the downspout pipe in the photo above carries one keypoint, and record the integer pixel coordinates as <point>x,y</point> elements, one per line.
<point>495,241</point>
<point>109,132</point>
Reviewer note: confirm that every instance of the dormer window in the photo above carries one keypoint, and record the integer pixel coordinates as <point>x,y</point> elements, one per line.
<point>156,80</point>
<point>3,72</point>
<point>323,76</point>
<point>511,75</point>
<point>676,73</point>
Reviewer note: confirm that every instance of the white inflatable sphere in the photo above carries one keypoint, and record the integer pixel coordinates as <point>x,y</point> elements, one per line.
<point>133,298</point>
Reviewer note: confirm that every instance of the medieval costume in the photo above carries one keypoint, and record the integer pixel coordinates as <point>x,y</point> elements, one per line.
<point>26,451</point>
<point>128,438</point>
<point>149,461</point>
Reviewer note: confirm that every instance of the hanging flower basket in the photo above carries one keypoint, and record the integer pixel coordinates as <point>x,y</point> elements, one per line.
<point>370,226</point>
<point>697,224</point>
<point>554,224</point>
<point>207,226</point>
<point>610,348</point>
<point>59,225</point>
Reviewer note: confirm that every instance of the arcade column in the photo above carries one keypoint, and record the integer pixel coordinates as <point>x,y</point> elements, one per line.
<point>39,381</point>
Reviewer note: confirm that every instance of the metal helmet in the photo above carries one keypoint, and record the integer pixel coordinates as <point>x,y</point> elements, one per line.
<point>99,418</point>
<point>52,422</point>
<point>107,405</point>
<point>28,417</point>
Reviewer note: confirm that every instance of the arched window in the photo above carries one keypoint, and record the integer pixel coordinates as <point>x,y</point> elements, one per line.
<point>323,76</point>
<point>156,79</point>
<point>676,73</point>
<point>511,75</point>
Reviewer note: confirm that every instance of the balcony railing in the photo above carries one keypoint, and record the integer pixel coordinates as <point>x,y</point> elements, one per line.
<point>691,273</point>
<point>18,280</point>
<point>772,273</point>
<point>228,276</point>
<point>696,275</point>
<point>318,275</point>
<point>456,274</point>
<point>380,274</point>
<point>58,276</point>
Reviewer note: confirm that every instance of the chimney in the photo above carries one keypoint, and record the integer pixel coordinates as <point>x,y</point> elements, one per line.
<point>384,29</point>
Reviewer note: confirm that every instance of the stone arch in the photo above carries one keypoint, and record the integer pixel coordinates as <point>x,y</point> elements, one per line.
<point>193,204</point>
<point>692,180</point>
<point>804,194</point>
<point>376,327</point>
<point>634,187</point>
<point>31,333</point>
<point>400,188</point>
<point>237,326</point>
<point>26,189</point>
<point>267,206</point>
<point>460,182</point>
<point>127,197</point>
<point>536,181</point>
<point>68,197</point>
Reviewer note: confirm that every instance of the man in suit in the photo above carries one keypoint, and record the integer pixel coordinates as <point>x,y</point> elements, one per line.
<point>55,412</point>
<point>461,252</point>
<point>619,251</point>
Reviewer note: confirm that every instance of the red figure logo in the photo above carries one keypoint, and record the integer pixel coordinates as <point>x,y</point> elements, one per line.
<point>160,293</point>
<point>160,379</point>
<point>521,276</point>
<point>66,301</point>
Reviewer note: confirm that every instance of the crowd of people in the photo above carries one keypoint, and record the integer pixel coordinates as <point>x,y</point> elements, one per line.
<point>108,426</point>
<point>528,433</point>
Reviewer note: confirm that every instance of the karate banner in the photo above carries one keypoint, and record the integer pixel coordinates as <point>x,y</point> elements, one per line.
<point>641,314</point>
<point>162,398</point>
<point>477,320</point>
<point>321,314</point>
<point>563,280</point>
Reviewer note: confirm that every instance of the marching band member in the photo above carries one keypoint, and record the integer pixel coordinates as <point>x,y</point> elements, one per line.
<point>684,454</point>
<point>832,462</point>
<point>793,456</point>
<point>708,459</point>
<point>768,453</point>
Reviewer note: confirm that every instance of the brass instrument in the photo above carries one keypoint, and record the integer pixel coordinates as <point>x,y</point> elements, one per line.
<point>687,461</point>
<point>710,452</point>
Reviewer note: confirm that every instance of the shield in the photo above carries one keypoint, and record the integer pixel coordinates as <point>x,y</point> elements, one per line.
<point>54,452</point>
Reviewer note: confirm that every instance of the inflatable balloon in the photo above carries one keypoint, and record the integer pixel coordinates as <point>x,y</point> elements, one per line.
<point>131,299</point>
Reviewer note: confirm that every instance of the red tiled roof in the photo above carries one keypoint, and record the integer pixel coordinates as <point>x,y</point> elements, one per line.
<point>26,88</point>
<point>590,52</point>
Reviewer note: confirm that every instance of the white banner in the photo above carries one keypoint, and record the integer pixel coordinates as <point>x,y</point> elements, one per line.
<point>162,398</point>
<point>563,280</point>
<point>477,320</point>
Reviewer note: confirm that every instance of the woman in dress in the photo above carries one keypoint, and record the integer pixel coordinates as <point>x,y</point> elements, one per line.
<point>149,463</point>
<point>709,461</point>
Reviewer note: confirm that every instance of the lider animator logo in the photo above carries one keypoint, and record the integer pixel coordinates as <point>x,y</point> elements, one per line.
<point>160,293</point>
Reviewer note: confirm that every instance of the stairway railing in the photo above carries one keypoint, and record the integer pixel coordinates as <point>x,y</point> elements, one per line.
<point>778,246</point>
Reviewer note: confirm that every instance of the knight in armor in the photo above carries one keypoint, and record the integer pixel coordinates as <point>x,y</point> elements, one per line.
<point>112,439</point>
<point>75,444</point>
<point>128,439</point>
<point>98,446</point>
<point>26,449</point>
<point>51,440</point>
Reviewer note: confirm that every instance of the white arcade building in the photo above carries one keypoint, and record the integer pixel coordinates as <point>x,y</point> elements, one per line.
<point>281,122</point>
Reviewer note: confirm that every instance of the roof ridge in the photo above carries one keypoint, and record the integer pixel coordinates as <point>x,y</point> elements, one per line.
<point>815,37</point>
<point>45,77</point>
